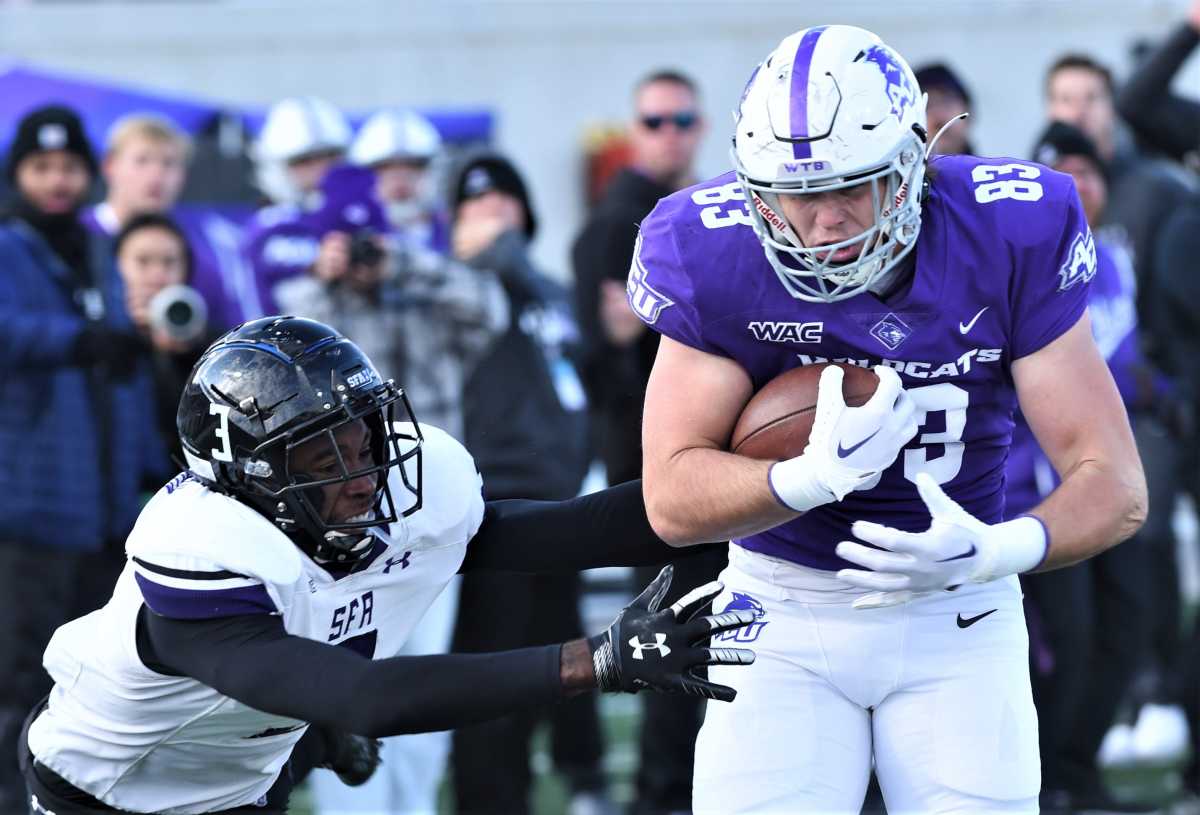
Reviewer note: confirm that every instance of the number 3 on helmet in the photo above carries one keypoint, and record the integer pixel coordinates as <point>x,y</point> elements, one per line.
<point>271,385</point>
<point>832,107</point>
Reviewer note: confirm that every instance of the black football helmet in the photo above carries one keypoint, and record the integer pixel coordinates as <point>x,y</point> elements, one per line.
<point>272,384</point>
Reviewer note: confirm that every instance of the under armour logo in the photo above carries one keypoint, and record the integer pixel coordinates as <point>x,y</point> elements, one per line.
<point>660,645</point>
<point>402,563</point>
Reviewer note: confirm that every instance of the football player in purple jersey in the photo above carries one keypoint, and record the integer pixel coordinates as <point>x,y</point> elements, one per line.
<point>891,629</point>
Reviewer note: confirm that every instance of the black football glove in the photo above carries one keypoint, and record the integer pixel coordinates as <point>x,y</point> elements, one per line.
<point>661,650</point>
<point>353,758</point>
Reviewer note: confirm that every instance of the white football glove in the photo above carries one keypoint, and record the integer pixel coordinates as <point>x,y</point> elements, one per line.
<point>958,548</point>
<point>849,447</point>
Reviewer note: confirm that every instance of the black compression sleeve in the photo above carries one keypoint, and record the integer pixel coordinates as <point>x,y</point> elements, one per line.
<point>253,660</point>
<point>606,528</point>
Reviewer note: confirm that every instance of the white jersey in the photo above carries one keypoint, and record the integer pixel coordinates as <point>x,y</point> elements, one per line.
<point>144,742</point>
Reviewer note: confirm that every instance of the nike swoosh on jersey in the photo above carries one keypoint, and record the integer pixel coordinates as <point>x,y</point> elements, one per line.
<point>964,328</point>
<point>845,451</point>
<point>967,622</point>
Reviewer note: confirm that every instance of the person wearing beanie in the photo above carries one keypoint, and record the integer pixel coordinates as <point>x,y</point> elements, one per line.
<point>77,433</point>
<point>948,97</point>
<point>489,183</point>
<point>525,418</point>
<point>1090,658</point>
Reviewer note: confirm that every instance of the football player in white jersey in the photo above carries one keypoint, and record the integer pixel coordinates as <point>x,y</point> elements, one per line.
<point>269,587</point>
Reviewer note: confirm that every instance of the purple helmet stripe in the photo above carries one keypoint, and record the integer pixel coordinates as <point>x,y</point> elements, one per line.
<point>799,90</point>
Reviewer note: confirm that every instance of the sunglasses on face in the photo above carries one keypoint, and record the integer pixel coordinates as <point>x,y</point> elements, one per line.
<point>684,120</point>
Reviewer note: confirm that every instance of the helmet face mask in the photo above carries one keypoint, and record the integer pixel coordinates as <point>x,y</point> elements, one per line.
<point>278,385</point>
<point>831,108</point>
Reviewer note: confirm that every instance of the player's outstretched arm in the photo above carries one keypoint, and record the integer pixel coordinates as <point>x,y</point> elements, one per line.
<point>605,528</point>
<point>252,659</point>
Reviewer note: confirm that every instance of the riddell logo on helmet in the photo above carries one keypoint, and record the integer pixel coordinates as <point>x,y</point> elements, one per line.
<point>798,167</point>
<point>770,215</point>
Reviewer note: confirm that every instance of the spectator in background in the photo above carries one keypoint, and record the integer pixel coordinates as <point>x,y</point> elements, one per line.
<point>145,167</point>
<point>1093,619</point>
<point>77,434</point>
<point>1179,307</point>
<point>948,97</point>
<point>1142,195</point>
<point>399,146</point>
<point>1165,121</point>
<point>665,132</point>
<point>1171,123</point>
<point>1141,192</point>
<point>156,266</point>
<point>525,414</point>
<point>425,321</point>
<point>301,140</point>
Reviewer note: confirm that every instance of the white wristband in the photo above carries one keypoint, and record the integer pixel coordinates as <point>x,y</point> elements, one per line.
<point>795,484</point>
<point>1019,546</point>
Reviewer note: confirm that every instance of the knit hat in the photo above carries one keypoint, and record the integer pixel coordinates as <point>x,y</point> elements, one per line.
<point>493,173</point>
<point>1061,139</point>
<point>52,127</point>
<point>940,75</point>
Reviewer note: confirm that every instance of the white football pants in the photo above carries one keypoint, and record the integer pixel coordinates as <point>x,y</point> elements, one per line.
<point>943,709</point>
<point>413,766</point>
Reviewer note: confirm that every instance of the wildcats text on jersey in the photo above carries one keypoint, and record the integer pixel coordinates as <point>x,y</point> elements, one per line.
<point>920,370</point>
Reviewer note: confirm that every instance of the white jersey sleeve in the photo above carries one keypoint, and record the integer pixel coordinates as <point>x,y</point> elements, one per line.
<point>198,554</point>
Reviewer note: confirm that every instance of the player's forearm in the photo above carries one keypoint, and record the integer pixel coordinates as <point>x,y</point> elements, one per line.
<point>1098,505</point>
<point>253,660</point>
<point>702,494</point>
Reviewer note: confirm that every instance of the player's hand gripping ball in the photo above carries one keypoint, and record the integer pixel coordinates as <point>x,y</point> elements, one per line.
<point>830,438</point>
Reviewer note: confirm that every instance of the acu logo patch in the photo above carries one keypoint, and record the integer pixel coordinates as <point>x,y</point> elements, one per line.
<point>1081,262</point>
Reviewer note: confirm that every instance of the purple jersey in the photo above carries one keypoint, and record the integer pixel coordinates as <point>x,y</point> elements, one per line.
<point>1002,268</point>
<point>284,240</point>
<point>1112,308</point>
<point>219,273</point>
<point>281,243</point>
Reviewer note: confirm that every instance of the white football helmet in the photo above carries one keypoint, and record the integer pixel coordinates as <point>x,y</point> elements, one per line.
<point>395,135</point>
<point>830,108</point>
<point>294,128</point>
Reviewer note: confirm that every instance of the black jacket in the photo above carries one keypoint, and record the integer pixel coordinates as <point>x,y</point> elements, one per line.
<point>1165,121</point>
<point>524,409</point>
<point>615,377</point>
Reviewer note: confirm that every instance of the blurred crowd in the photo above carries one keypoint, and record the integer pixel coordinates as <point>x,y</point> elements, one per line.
<point>110,291</point>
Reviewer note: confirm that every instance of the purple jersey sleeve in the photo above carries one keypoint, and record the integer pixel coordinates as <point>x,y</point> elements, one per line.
<point>1054,262</point>
<point>659,288</point>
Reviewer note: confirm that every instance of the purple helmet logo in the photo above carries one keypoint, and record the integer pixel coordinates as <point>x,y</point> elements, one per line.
<point>900,89</point>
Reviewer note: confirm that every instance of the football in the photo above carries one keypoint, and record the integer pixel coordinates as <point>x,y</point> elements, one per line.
<point>776,421</point>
